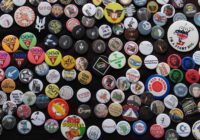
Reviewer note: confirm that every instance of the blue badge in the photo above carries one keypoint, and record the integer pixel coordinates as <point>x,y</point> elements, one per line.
<point>197,19</point>
<point>144,27</point>
<point>158,86</point>
<point>12,72</point>
<point>179,16</point>
<point>139,127</point>
<point>188,63</point>
<point>140,2</point>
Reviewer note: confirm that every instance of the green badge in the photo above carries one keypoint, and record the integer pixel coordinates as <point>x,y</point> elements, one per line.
<point>176,75</point>
<point>27,40</point>
<point>117,60</point>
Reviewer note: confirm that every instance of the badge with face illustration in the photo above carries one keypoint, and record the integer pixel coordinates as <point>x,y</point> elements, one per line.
<point>114,12</point>
<point>183,36</point>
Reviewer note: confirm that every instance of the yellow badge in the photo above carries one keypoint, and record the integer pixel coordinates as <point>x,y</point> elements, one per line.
<point>8,85</point>
<point>134,61</point>
<point>53,57</point>
<point>85,77</point>
<point>152,6</point>
<point>114,12</point>
<point>52,90</point>
<point>97,2</point>
<point>68,62</point>
<point>10,43</point>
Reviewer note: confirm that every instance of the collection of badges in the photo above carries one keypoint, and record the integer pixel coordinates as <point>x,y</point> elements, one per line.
<point>124,22</point>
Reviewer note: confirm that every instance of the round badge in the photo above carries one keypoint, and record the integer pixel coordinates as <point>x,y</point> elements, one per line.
<point>36,55</point>
<point>122,83</point>
<point>23,111</point>
<point>52,91</point>
<point>171,134</point>
<point>9,122</point>
<point>130,112</point>
<point>12,72</point>
<point>195,130</point>
<point>109,82</point>
<point>163,120</point>
<point>158,86</point>
<point>157,32</point>
<point>2,75</point>
<point>84,111</point>
<point>137,88</point>
<point>51,126</point>
<point>3,98</point>
<point>188,63</point>
<point>194,90</point>
<point>161,46</point>
<point>114,13</point>
<point>152,6</point>
<point>83,95</point>
<point>169,10</point>
<point>171,101</point>
<point>24,127</point>
<point>66,92</point>
<point>115,109</point>
<point>93,132</point>
<point>6,6</point>
<point>157,107</point>
<point>139,127</point>
<point>130,22</point>
<point>160,18</point>
<point>157,131</point>
<point>85,77</point>
<point>19,2</point>
<point>151,62</point>
<point>38,118</point>
<point>73,127</point>
<point>58,109</point>
<point>25,76</point>
<point>196,57</point>
<point>117,60</point>
<point>100,110</point>
<point>163,69</point>
<point>53,76</point>
<point>29,98</point>
<point>109,126</point>
<point>176,75</point>
<point>176,115</point>
<point>9,107</point>
<point>115,44</point>
<point>42,101</point>
<point>24,16</point>
<point>123,128</point>
<point>55,26</point>
<point>133,75</point>
<point>27,40</point>
<point>57,10</point>
<point>183,129</point>
<point>89,9</point>
<point>105,31</point>
<point>174,61</point>
<point>10,43</point>
<point>145,113</point>
<point>69,75</point>
<point>179,16</point>
<point>44,8</point>
<point>144,28</point>
<point>8,85</point>
<point>180,90</point>
<point>134,61</point>
<point>143,14</point>
<point>68,62</point>
<point>71,23</point>
<point>16,96</point>
<point>131,48</point>
<point>6,21</point>
<point>190,9</point>
<point>71,11</point>
<point>103,96</point>
<point>53,57</point>
<point>183,36</point>
<point>36,85</point>
<point>117,96</point>
<point>192,76</point>
<point>146,48</point>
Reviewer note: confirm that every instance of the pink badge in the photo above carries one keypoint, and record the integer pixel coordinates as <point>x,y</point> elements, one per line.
<point>36,55</point>
<point>4,59</point>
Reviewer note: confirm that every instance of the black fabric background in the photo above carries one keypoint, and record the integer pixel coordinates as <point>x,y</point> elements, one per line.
<point>38,133</point>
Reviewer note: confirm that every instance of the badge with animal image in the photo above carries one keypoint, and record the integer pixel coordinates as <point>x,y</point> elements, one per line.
<point>114,12</point>
<point>183,36</point>
<point>73,127</point>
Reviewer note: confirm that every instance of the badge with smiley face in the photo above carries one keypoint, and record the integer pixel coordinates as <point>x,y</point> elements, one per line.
<point>114,12</point>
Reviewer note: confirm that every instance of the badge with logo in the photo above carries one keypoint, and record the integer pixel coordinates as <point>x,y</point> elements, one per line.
<point>114,12</point>
<point>4,59</point>
<point>53,57</point>
<point>101,66</point>
<point>27,40</point>
<point>73,127</point>
<point>189,106</point>
<point>10,43</point>
<point>183,36</point>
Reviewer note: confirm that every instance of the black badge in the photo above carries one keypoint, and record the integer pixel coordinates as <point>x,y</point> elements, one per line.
<point>19,58</point>
<point>84,111</point>
<point>65,42</point>
<point>51,41</point>
<point>101,65</point>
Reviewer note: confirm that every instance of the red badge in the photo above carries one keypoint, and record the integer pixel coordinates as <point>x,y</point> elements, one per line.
<point>23,111</point>
<point>36,55</point>
<point>58,109</point>
<point>157,131</point>
<point>174,61</point>
<point>192,76</point>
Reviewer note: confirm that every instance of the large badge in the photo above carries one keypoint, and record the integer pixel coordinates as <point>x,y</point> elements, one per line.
<point>183,36</point>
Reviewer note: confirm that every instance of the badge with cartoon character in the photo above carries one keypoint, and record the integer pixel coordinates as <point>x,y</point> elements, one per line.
<point>183,36</point>
<point>114,12</point>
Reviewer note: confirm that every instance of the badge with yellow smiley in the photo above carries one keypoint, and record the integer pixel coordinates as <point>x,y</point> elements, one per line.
<point>114,12</point>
